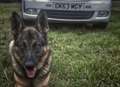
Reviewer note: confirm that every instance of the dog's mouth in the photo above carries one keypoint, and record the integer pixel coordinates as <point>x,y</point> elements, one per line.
<point>30,71</point>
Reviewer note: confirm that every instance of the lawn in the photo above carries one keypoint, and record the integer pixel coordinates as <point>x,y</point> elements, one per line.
<point>82,56</point>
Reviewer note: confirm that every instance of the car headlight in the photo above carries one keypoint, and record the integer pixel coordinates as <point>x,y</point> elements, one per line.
<point>31,11</point>
<point>103,13</point>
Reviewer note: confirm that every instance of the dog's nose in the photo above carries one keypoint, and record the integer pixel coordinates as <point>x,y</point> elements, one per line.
<point>29,64</point>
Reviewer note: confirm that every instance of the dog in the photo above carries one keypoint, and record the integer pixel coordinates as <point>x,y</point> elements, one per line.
<point>30,53</point>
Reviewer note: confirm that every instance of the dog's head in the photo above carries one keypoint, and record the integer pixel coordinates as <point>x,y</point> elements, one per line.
<point>29,41</point>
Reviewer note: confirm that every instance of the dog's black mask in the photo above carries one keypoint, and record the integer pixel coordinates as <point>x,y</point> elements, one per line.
<point>30,41</point>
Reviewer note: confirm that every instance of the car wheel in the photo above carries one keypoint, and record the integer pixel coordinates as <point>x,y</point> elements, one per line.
<point>100,25</point>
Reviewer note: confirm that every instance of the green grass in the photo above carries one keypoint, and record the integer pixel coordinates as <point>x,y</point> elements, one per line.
<point>82,57</point>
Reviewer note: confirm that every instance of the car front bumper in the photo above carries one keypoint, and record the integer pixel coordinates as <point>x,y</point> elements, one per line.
<point>92,19</point>
<point>58,15</point>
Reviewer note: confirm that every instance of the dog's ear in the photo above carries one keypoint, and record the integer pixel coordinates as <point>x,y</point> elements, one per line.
<point>16,24</point>
<point>42,22</point>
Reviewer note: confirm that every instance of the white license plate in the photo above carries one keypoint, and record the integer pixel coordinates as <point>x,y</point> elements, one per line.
<point>71,6</point>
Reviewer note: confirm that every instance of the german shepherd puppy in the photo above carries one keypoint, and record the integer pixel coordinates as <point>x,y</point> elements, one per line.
<point>30,54</point>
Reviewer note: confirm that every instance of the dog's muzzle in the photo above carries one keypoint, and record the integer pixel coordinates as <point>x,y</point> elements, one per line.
<point>30,69</point>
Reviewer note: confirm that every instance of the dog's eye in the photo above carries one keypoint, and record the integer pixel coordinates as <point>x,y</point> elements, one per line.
<point>24,44</point>
<point>34,44</point>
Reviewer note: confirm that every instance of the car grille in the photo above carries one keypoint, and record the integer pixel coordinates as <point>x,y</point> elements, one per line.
<point>69,14</point>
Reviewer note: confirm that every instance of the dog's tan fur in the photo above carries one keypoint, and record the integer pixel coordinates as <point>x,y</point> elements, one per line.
<point>24,82</point>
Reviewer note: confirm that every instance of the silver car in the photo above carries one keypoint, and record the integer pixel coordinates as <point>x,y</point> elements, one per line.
<point>96,12</point>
